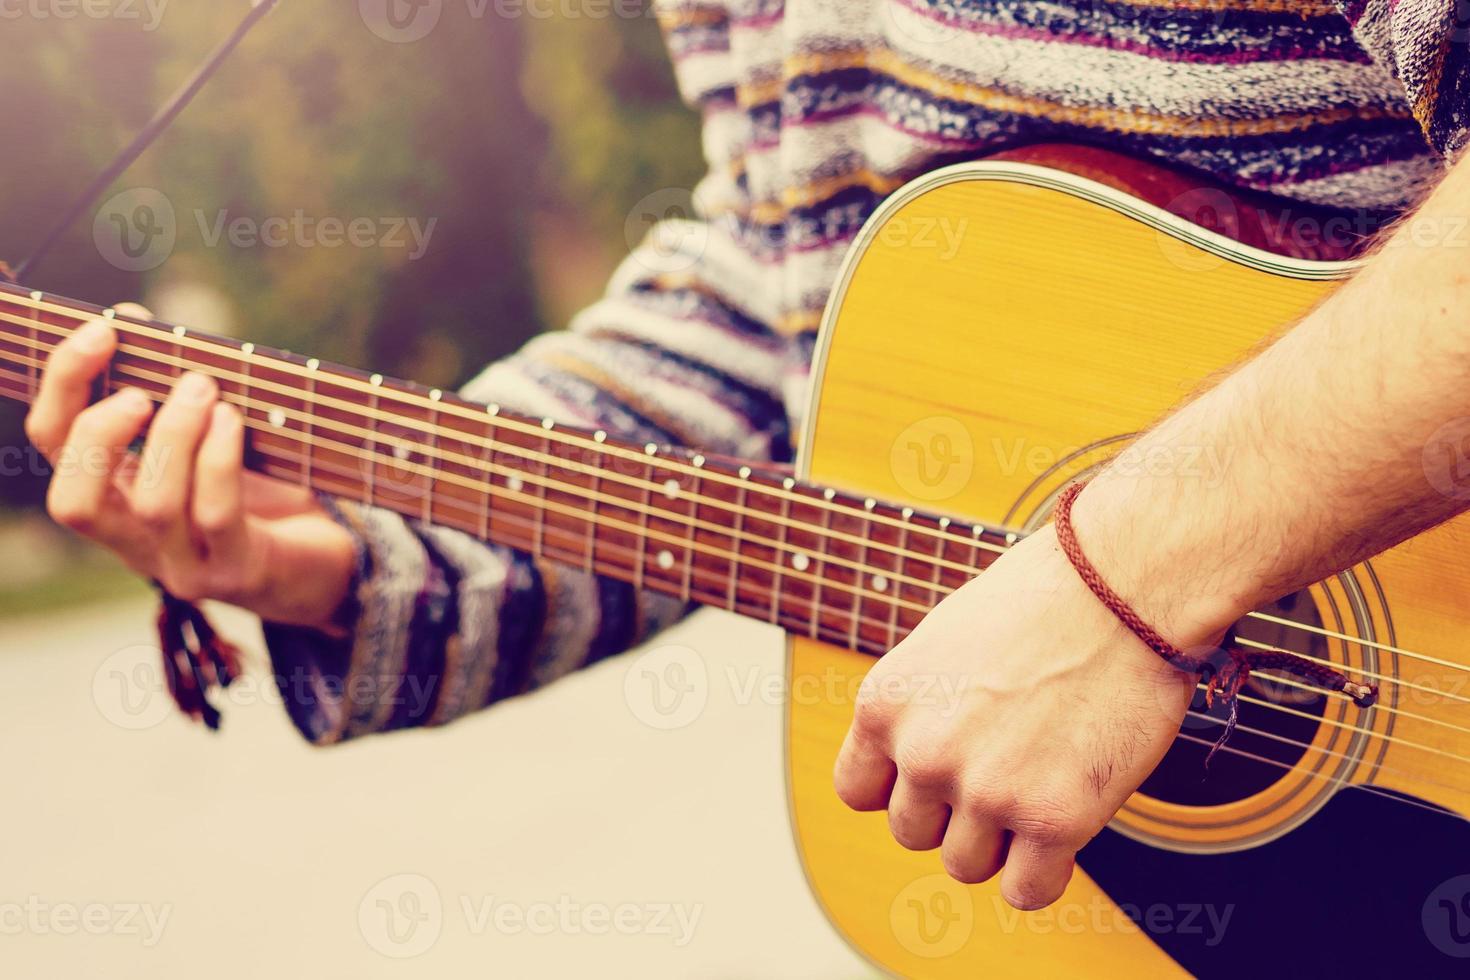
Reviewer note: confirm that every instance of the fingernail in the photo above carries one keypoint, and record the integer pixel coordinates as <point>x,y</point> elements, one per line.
<point>94,336</point>
<point>135,399</point>
<point>195,387</point>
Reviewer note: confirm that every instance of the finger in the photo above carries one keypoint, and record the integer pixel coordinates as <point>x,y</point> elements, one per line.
<point>83,485</point>
<point>916,817</point>
<point>134,310</point>
<point>974,847</point>
<point>217,508</point>
<point>166,469</point>
<point>864,775</point>
<point>1035,875</point>
<point>66,384</point>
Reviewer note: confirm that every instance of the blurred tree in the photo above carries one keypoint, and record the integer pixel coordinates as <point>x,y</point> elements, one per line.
<point>524,140</point>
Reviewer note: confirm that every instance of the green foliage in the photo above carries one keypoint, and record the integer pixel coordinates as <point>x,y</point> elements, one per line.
<point>525,140</point>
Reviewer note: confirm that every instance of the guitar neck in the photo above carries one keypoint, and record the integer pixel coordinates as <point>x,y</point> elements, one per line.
<point>814,561</point>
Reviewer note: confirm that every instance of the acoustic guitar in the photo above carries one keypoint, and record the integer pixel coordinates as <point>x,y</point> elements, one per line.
<point>999,329</point>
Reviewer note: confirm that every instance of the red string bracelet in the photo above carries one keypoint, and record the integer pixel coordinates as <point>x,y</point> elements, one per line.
<point>1225,670</point>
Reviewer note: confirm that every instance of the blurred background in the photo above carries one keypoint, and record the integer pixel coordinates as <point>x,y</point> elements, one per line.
<point>506,145</point>
<point>515,139</point>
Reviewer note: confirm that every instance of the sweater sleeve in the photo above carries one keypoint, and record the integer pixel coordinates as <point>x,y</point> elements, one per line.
<point>678,351</point>
<point>1426,46</point>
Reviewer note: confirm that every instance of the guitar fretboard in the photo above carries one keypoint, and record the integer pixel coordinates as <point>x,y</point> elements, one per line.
<point>817,562</point>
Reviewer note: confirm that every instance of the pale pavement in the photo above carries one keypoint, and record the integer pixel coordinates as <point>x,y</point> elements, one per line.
<point>585,831</point>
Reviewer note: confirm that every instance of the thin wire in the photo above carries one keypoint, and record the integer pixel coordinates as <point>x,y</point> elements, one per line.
<point>418,401</point>
<point>816,608</point>
<point>969,570</point>
<point>433,452</point>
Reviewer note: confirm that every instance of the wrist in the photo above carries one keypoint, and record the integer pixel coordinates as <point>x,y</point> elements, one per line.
<point>307,579</point>
<point>1160,551</point>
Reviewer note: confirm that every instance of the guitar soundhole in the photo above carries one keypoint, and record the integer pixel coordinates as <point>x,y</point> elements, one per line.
<point>1268,741</point>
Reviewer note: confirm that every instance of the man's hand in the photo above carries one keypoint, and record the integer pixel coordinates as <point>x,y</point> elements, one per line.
<point>1060,713</point>
<point>183,511</point>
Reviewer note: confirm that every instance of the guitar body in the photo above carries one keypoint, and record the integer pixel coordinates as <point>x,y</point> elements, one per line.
<point>1058,316</point>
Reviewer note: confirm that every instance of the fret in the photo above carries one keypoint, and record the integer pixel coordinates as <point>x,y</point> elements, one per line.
<point>936,585</point>
<point>862,584</point>
<point>370,481</point>
<point>690,540</point>
<point>33,369</point>
<point>538,526</point>
<point>788,484</point>
<point>487,496</point>
<point>432,484</point>
<point>309,422</point>
<point>819,573</point>
<point>649,449</point>
<point>742,493</point>
<point>902,564</point>
<point>598,438</point>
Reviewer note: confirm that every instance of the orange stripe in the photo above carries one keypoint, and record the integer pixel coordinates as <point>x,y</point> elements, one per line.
<point>1133,121</point>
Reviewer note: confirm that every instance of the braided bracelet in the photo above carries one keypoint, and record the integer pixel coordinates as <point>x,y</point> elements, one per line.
<point>1226,669</point>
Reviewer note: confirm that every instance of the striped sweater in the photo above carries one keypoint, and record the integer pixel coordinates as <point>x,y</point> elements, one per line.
<point>813,112</point>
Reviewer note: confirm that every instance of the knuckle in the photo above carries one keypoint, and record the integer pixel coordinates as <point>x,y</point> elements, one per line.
<point>873,715</point>
<point>925,763</point>
<point>1050,826</point>
<point>156,512</point>
<point>71,514</point>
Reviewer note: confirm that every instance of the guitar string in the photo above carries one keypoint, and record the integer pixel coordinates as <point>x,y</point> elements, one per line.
<point>1320,749</point>
<point>417,401</point>
<point>1365,787</point>
<point>855,615</point>
<point>776,546</point>
<point>545,433</point>
<point>840,634</point>
<point>434,453</point>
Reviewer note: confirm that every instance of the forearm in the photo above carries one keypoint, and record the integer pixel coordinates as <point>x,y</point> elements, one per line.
<point>1334,442</point>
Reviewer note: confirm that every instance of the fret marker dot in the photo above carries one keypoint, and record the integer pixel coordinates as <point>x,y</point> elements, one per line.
<point>247,349</point>
<point>376,381</point>
<point>37,296</point>
<point>493,409</point>
<point>599,436</point>
<point>651,449</point>
<point>435,395</point>
<point>745,472</point>
<point>869,504</point>
<point>180,332</point>
<point>400,453</point>
<point>880,584</point>
<point>277,418</point>
<point>548,424</point>
<point>829,493</point>
<point>1010,538</point>
<point>109,314</point>
<point>313,364</point>
<point>671,489</point>
<point>788,483</point>
<point>698,461</point>
<point>907,513</point>
<point>666,560</point>
<point>514,483</point>
<point>800,562</point>
<point>944,524</point>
